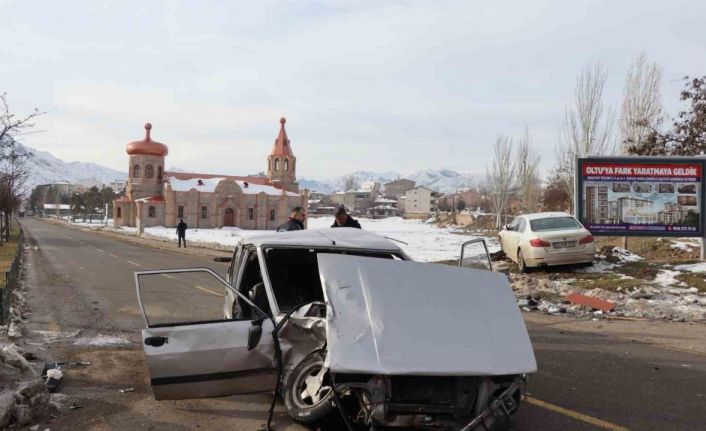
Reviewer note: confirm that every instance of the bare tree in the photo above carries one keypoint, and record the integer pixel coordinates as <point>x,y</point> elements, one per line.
<point>588,125</point>
<point>500,177</point>
<point>642,104</point>
<point>12,126</point>
<point>13,176</point>
<point>13,157</point>
<point>527,164</point>
<point>350,182</point>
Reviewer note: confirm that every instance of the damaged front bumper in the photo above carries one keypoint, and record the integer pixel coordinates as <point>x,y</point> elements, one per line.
<point>500,409</point>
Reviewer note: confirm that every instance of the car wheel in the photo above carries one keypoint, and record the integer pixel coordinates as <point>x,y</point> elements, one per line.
<point>521,262</point>
<point>308,393</point>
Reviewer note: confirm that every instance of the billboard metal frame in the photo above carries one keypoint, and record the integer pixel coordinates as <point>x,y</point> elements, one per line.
<point>647,160</point>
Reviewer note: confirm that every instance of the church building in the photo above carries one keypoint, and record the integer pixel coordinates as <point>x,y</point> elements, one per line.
<point>155,197</point>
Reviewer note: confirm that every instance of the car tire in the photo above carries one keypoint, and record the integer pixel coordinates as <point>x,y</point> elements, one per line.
<point>302,402</point>
<point>521,264</point>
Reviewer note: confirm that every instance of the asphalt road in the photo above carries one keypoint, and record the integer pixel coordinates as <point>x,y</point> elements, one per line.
<point>83,281</point>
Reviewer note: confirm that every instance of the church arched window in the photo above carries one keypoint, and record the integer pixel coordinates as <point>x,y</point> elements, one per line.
<point>286,164</point>
<point>276,164</point>
<point>151,212</point>
<point>159,174</point>
<point>149,171</point>
<point>120,212</point>
<point>136,171</point>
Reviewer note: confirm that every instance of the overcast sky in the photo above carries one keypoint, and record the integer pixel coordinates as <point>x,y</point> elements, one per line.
<point>365,85</point>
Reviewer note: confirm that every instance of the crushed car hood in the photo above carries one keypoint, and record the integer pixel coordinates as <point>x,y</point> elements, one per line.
<point>400,317</point>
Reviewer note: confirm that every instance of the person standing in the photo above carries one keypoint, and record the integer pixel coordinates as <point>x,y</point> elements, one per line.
<point>295,222</point>
<point>181,232</point>
<point>343,219</point>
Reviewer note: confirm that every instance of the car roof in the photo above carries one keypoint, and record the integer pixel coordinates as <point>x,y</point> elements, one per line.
<point>535,216</point>
<point>343,237</point>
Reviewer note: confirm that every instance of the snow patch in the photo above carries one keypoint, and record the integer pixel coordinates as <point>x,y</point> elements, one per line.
<point>101,340</point>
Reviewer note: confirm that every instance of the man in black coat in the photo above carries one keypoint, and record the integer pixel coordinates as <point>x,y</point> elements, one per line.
<point>181,232</point>
<point>295,222</point>
<point>343,219</point>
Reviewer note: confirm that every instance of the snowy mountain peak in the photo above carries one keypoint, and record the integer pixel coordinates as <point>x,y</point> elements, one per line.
<point>44,168</point>
<point>442,180</point>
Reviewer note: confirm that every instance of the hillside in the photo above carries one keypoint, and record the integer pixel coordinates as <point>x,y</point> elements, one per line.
<point>45,168</point>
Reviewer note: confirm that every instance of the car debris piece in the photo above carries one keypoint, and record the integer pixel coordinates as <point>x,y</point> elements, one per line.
<point>53,380</point>
<point>590,301</point>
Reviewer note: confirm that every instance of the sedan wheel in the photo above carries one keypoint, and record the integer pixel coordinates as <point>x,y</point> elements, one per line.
<point>308,394</point>
<point>521,263</point>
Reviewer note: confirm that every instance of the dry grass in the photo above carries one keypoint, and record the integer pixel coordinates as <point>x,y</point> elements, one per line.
<point>8,251</point>
<point>693,279</point>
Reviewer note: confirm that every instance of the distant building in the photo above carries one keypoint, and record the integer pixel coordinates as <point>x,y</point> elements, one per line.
<point>157,198</point>
<point>395,189</point>
<point>420,201</point>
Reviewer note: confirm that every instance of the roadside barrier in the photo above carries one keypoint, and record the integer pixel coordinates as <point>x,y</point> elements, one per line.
<point>12,278</point>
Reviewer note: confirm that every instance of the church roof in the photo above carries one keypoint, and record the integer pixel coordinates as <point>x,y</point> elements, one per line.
<point>147,146</point>
<point>182,182</point>
<point>282,146</point>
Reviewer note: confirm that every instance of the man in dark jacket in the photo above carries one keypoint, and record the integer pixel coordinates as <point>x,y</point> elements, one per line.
<point>343,219</point>
<point>295,222</point>
<point>181,232</point>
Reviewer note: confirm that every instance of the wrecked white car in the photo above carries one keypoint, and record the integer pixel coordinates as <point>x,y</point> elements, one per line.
<point>340,320</point>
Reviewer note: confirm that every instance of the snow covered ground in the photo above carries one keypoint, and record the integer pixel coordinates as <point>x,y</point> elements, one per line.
<point>426,242</point>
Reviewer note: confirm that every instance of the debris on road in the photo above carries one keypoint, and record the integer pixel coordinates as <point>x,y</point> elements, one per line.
<point>597,303</point>
<point>126,390</point>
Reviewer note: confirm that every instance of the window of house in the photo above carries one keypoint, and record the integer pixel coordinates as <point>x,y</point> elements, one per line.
<point>180,211</point>
<point>149,171</point>
<point>286,164</point>
<point>273,215</point>
<point>204,212</point>
<point>276,164</point>
<point>251,213</point>
<point>136,171</point>
<point>159,174</point>
<point>151,212</point>
<point>119,212</point>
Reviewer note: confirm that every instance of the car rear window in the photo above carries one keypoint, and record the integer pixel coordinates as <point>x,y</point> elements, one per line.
<point>554,223</point>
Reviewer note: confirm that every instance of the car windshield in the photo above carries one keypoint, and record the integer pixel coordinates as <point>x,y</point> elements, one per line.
<point>294,273</point>
<point>554,223</point>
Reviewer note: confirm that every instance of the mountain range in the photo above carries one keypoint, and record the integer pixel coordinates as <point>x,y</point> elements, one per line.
<point>441,180</point>
<point>44,168</point>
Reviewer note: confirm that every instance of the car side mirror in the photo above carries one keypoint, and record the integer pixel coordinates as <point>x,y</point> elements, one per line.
<point>254,333</point>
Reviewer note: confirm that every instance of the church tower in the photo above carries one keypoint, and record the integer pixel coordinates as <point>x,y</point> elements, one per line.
<point>281,163</point>
<point>146,172</point>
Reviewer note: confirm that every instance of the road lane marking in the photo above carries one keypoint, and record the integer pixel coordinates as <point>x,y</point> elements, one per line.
<point>132,263</point>
<point>167,276</point>
<point>99,249</point>
<point>208,290</point>
<point>575,415</point>
<point>112,255</point>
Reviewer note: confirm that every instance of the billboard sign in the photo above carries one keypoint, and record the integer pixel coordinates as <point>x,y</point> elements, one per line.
<point>641,196</point>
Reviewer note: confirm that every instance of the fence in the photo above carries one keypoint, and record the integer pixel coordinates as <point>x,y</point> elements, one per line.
<point>12,278</point>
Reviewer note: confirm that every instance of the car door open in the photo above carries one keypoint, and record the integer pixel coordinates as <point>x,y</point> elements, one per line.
<point>474,254</point>
<point>191,350</point>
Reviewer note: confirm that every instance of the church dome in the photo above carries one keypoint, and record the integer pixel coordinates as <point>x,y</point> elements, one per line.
<point>147,147</point>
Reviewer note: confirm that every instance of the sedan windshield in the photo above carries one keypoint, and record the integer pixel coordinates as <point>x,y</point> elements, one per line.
<point>294,273</point>
<point>554,223</point>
